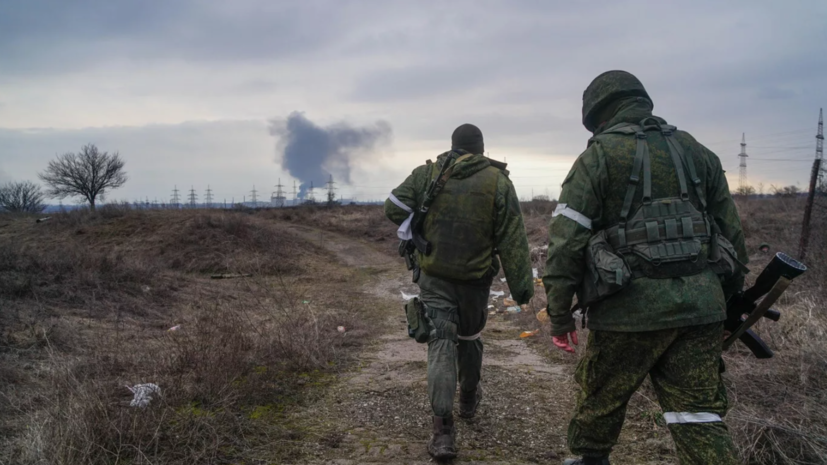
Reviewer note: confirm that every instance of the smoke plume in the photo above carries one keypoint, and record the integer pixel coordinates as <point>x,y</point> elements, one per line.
<point>312,153</point>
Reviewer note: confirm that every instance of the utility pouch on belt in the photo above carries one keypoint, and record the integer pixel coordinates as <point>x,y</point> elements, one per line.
<point>724,262</point>
<point>606,271</point>
<point>419,327</point>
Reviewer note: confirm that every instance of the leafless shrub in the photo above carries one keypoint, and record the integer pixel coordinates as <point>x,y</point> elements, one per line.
<point>21,197</point>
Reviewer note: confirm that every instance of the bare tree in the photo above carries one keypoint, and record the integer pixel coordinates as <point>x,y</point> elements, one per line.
<point>88,174</point>
<point>21,197</point>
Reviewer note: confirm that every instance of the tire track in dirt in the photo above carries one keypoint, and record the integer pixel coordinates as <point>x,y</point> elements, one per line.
<point>379,411</point>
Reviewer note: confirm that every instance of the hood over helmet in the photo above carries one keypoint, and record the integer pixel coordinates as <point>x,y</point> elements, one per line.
<point>605,89</point>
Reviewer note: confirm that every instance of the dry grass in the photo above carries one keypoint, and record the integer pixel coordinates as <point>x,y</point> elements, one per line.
<point>87,298</point>
<point>92,295</point>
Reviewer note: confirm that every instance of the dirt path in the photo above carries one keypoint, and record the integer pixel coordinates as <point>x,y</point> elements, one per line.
<point>379,412</point>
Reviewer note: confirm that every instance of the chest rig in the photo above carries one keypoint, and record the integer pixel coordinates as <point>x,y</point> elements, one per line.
<point>665,235</point>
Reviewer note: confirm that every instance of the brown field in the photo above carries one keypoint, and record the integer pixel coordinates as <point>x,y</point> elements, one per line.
<point>259,373</point>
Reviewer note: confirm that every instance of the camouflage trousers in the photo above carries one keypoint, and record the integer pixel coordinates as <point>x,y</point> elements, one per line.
<point>449,360</point>
<point>685,367</point>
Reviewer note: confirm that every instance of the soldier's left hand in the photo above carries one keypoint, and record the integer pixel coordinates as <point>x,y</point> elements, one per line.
<point>562,341</point>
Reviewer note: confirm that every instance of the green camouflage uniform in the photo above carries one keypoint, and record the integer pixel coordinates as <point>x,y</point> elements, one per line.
<point>466,298</point>
<point>669,328</point>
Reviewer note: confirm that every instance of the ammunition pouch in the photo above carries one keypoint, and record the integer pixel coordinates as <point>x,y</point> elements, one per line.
<point>606,272</point>
<point>664,239</point>
<point>421,325</point>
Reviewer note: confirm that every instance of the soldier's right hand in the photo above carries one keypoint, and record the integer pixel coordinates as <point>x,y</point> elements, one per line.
<point>562,341</point>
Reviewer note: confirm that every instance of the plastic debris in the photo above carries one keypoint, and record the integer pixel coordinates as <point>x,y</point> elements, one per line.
<point>341,329</point>
<point>538,281</point>
<point>407,297</point>
<point>534,273</point>
<point>175,328</point>
<point>502,280</point>
<point>496,293</point>
<point>490,306</point>
<point>305,302</point>
<point>530,333</point>
<point>509,302</point>
<point>41,220</point>
<point>143,394</point>
<point>145,289</point>
<point>542,316</point>
<point>514,309</point>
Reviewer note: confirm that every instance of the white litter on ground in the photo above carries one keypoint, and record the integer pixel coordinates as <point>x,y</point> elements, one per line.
<point>143,394</point>
<point>407,297</point>
<point>534,273</point>
<point>496,293</point>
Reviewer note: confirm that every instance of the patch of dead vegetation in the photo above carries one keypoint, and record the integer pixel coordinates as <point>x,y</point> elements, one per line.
<point>90,298</point>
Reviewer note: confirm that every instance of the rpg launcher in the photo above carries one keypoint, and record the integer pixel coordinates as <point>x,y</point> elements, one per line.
<point>744,309</point>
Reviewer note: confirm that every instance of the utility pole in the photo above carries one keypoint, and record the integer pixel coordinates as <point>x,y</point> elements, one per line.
<point>193,197</point>
<point>742,171</point>
<point>295,193</point>
<point>208,197</point>
<point>277,198</point>
<point>808,209</point>
<point>254,198</point>
<point>310,197</point>
<point>176,200</point>
<point>331,195</point>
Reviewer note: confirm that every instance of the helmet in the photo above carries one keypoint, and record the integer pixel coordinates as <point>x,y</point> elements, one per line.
<point>607,88</point>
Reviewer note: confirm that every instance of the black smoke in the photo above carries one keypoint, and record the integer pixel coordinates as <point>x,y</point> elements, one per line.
<point>312,153</point>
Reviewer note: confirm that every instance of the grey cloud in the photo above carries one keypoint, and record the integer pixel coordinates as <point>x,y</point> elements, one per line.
<point>775,93</point>
<point>47,36</point>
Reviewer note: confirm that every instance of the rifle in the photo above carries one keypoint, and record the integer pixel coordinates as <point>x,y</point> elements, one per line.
<point>744,310</point>
<point>407,248</point>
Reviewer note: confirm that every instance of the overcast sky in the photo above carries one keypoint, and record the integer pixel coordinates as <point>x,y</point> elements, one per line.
<point>189,91</point>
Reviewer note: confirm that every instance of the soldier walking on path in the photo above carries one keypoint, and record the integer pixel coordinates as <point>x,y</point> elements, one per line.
<point>456,216</point>
<point>647,235</point>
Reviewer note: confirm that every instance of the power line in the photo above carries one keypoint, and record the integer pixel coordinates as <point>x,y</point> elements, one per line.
<point>193,197</point>
<point>277,198</point>
<point>254,197</point>
<point>208,197</point>
<point>175,200</point>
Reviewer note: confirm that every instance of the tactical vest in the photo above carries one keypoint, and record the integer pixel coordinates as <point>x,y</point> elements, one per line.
<point>666,233</point>
<point>661,238</point>
<point>460,227</point>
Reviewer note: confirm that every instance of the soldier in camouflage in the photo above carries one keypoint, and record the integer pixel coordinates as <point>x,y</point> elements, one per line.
<point>475,218</point>
<point>669,328</point>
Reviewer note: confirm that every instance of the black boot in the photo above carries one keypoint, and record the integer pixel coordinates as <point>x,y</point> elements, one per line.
<point>468,402</point>
<point>588,461</point>
<point>442,445</point>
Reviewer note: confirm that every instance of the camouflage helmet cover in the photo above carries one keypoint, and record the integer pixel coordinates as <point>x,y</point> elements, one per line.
<point>607,88</point>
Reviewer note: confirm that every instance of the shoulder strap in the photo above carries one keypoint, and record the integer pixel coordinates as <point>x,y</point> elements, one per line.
<point>641,158</point>
<point>440,180</point>
<point>677,150</point>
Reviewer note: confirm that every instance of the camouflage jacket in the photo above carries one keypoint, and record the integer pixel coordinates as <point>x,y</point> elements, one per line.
<point>508,229</point>
<point>595,187</point>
